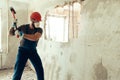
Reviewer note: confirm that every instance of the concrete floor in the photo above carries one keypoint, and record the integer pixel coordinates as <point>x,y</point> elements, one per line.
<point>28,74</point>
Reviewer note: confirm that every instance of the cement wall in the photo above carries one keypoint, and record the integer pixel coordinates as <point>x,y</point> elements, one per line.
<point>100,20</point>
<point>4,27</point>
<point>95,54</point>
<point>10,44</point>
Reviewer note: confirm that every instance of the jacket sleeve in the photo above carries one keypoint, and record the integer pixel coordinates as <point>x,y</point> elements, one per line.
<point>20,28</point>
<point>40,30</point>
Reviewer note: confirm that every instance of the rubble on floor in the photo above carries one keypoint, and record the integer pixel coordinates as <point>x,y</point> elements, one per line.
<point>28,74</point>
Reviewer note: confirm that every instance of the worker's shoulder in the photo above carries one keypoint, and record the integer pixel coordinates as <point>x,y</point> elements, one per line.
<point>39,29</point>
<point>25,25</point>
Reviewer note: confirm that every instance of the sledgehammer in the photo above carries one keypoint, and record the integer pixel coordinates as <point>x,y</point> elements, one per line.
<point>13,12</point>
<point>15,20</point>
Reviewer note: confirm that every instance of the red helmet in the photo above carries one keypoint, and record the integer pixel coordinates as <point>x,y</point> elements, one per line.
<point>35,16</point>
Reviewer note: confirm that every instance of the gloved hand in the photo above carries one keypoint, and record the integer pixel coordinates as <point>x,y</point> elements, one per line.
<point>12,31</point>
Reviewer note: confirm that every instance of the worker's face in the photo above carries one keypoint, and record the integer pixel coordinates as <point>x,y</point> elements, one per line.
<point>37,24</point>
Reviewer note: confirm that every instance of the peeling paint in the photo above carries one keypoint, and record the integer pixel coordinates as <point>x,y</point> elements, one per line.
<point>63,45</point>
<point>50,46</point>
<point>61,53</point>
<point>100,71</point>
<point>69,76</point>
<point>72,58</point>
<point>58,73</point>
<point>52,69</point>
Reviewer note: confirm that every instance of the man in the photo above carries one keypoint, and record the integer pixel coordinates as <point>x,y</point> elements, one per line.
<point>27,49</point>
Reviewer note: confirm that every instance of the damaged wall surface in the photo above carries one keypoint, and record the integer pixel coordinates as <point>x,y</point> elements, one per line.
<point>100,21</point>
<point>95,54</point>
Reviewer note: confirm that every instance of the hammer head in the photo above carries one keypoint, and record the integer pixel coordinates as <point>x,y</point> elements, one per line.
<point>12,10</point>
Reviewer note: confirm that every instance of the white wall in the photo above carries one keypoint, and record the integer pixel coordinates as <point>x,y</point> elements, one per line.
<point>10,44</point>
<point>95,54</point>
<point>3,6</point>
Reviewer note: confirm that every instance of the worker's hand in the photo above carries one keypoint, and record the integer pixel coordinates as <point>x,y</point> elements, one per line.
<point>12,31</point>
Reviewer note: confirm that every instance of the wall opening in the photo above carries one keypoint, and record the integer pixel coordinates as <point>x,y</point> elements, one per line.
<point>62,23</point>
<point>56,29</point>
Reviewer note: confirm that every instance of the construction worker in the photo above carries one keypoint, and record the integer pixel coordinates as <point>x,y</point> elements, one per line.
<point>27,49</point>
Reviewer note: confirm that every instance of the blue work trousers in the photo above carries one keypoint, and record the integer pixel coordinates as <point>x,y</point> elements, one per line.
<point>23,55</point>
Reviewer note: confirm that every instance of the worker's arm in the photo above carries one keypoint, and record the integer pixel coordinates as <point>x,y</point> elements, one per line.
<point>13,30</point>
<point>33,37</point>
